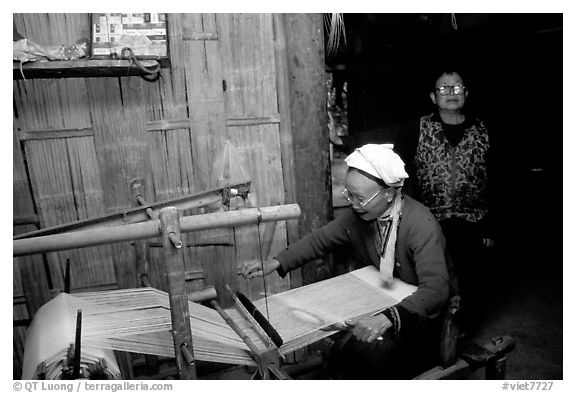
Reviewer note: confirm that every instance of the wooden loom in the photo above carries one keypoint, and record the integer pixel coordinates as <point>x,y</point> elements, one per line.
<point>145,222</point>
<point>138,320</point>
<point>153,322</point>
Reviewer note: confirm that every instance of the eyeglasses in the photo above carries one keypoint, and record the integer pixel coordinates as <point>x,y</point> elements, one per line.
<point>351,198</point>
<point>446,90</point>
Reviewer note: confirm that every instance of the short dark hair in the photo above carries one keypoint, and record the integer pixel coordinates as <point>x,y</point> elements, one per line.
<point>446,69</point>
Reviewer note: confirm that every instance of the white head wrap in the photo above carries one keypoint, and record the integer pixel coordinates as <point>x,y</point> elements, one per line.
<point>379,161</point>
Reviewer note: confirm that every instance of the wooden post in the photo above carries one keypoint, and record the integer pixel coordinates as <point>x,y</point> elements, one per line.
<point>309,118</point>
<point>77,346</point>
<point>286,144</point>
<point>141,248</point>
<point>179,312</point>
<point>142,256</point>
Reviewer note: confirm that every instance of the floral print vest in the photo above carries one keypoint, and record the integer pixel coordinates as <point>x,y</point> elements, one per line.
<point>453,180</point>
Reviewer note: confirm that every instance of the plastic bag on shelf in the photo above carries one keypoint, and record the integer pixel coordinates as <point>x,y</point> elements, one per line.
<point>25,50</point>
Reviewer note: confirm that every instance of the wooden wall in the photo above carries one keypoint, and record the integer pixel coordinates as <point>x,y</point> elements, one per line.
<point>212,116</point>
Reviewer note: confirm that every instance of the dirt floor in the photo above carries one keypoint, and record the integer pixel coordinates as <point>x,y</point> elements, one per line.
<point>527,305</point>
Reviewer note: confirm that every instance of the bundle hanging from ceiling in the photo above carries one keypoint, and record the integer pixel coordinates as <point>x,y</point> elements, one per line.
<point>334,24</point>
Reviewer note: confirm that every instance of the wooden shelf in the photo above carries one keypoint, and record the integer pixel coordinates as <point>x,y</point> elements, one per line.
<point>81,68</point>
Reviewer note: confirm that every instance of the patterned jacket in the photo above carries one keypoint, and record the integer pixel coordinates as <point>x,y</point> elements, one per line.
<point>453,181</point>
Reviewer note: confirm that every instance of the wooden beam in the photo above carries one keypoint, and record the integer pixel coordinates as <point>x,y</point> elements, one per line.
<point>138,214</point>
<point>143,230</point>
<point>251,121</point>
<point>29,219</point>
<point>491,355</point>
<point>26,135</point>
<point>163,125</point>
<point>82,68</point>
<point>179,311</point>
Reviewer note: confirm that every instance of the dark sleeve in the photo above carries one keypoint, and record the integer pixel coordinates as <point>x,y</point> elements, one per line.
<point>428,249</point>
<point>316,244</point>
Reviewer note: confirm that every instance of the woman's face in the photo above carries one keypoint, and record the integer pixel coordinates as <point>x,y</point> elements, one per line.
<point>369,199</point>
<point>451,101</point>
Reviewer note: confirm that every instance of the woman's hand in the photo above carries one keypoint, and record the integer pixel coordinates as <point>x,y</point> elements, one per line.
<point>253,269</point>
<point>371,328</point>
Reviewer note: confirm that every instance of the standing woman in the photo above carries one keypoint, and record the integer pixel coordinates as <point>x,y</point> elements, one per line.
<point>451,168</point>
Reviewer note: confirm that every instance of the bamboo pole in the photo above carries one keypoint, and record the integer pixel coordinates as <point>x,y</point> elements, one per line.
<point>141,213</point>
<point>247,340</point>
<point>142,230</point>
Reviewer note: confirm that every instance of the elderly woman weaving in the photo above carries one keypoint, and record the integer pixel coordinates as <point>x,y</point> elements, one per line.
<point>400,236</point>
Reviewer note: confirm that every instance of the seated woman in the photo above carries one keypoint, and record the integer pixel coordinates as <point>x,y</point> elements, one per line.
<point>402,238</point>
